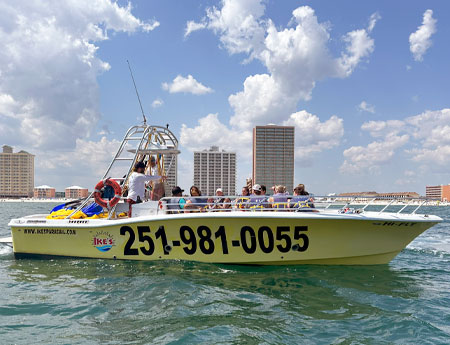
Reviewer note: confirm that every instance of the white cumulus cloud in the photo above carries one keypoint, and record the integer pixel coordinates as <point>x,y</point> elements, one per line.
<point>186,85</point>
<point>367,160</point>
<point>238,24</point>
<point>296,57</point>
<point>373,20</point>
<point>427,136</point>
<point>364,106</point>
<point>379,129</point>
<point>49,65</point>
<point>88,159</point>
<point>192,26</point>
<point>210,131</point>
<point>157,103</point>
<point>420,41</point>
<point>312,135</point>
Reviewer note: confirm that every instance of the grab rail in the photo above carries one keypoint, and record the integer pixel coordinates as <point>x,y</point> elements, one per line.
<point>320,203</point>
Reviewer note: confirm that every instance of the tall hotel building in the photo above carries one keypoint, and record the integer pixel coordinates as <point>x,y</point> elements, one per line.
<point>16,173</point>
<point>273,156</point>
<point>215,169</point>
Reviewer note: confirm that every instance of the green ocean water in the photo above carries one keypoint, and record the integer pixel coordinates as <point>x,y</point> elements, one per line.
<point>83,301</point>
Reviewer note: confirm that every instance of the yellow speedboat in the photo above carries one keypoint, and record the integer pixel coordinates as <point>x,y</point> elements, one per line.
<point>262,235</point>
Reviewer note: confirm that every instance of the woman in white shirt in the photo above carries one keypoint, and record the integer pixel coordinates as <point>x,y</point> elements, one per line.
<point>136,184</point>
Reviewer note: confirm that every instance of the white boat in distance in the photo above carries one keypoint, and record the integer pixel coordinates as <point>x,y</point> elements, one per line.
<point>233,230</point>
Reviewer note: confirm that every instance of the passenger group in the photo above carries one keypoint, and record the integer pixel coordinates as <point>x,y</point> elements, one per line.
<point>257,199</point>
<point>280,200</point>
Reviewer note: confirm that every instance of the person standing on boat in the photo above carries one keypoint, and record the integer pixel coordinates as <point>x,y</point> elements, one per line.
<point>153,166</point>
<point>136,184</point>
<point>157,189</point>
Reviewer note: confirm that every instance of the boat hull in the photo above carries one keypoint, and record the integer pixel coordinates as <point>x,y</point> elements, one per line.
<point>264,239</point>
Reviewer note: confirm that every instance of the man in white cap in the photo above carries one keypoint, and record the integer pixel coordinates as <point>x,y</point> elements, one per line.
<point>256,198</point>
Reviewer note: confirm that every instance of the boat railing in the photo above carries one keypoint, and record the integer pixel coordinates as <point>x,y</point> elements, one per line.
<point>314,204</point>
<point>340,204</point>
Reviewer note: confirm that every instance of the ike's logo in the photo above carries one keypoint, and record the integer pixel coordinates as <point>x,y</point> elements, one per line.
<point>103,241</point>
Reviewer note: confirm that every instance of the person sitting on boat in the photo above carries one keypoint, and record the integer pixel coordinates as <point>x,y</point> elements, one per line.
<point>177,202</point>
<point>256,199</point>
<point>196,202</point>
<point>263,190</point>
<point>136,184</point>
<point>280,198</point>
<point>242,200</point>
<point>219,202</point>
<point>301,200</point>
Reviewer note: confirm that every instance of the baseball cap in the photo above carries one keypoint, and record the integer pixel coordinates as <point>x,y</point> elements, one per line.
<point>177,190</point>
<point>256,187</point>
<point>219,190</point>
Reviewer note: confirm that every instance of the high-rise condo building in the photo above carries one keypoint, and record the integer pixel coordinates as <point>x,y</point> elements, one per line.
<point>273,156</point>
<point>16,173</point>
<point>215,169</point>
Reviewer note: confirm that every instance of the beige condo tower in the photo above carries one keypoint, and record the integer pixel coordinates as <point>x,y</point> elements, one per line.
<point>16,173</point>
<point>273,156</point>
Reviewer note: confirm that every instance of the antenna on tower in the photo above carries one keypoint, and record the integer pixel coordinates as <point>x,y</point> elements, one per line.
<point>137,93</point>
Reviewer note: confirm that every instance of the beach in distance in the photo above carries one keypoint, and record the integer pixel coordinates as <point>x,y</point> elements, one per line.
<point>320,201</point>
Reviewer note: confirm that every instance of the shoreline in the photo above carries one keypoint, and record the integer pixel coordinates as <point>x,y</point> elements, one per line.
<point>56,200</point>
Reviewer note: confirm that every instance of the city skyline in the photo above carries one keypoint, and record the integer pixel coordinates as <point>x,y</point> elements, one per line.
<point>363,83</point>
<point>441,191</point>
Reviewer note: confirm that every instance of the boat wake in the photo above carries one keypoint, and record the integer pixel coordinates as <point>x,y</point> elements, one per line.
<point>5,250</point>
<point>437,245</point>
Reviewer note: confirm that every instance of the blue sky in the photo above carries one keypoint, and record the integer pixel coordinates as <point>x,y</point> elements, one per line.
<point>364,83</point>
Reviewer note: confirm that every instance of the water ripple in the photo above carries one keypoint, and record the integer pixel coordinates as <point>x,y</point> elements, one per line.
<point>77,301</point>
